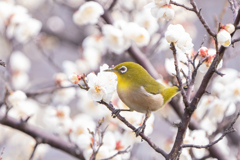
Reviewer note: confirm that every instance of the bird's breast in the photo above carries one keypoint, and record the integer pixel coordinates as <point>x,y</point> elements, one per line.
<point>139,99</point>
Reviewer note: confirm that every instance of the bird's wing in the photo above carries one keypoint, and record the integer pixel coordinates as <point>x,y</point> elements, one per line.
<point>154,88</point>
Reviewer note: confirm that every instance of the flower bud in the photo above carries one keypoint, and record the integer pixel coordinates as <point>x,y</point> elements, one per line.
<point>228,27</point>
<point>74,78</point>
<point>203,52</point>
<point>224,38</point>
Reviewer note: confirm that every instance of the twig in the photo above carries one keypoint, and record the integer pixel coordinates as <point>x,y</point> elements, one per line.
<point>156,148</point>
<point>178,75</point>
<point>119,152</point>
<point>181,5</point>
<point>2,63</point>
<point>114,2</point>
<point>34,149</point>
<point>230,129</point>
<point>198,13</point>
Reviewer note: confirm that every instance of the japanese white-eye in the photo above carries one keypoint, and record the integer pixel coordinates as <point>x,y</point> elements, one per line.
<point>140,91</point>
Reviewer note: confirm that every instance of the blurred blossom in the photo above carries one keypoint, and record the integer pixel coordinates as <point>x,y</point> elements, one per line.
<point>20,80</point>
<point>81,124</point>
<point>88,13</point>
<point>145,19</point>
<point>92,56</point>
<point>199,138</point>
<point>15,97</point>
<point>56,24</point>
<point>74,78</point>
<point>57,119</point>
<point>114,39</point>
<point>95,41</point>
<point>19,62</point>
<point>24,109</point>
<point>59,77</point>
<point>211,55</point>
<point>185,155</point>
<point>86,105</point>
<point>137,34</point>
<point>64,95</point>
<point>161,9</point>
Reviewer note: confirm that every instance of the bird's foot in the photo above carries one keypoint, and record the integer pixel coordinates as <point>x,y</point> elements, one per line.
<point>116,112</point>
<point>140,130</point>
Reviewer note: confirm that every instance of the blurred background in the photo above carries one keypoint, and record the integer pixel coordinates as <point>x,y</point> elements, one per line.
<point>48,57</point>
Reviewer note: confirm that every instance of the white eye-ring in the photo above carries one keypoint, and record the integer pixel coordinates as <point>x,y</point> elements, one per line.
<point>123,69</point>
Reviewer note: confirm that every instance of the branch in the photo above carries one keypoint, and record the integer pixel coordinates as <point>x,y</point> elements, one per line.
<point>2,63</point>
<point>113,110</point>
<point>230,129</point>
<point>43,136</point>
<point>181,5</point>
<point>178,75</point>
<point>34,149</point>
<point>114,2</point>
<point>198,13</point>
<point>188,111</point>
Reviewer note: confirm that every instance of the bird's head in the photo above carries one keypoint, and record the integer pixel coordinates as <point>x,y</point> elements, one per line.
<point>128,71</point>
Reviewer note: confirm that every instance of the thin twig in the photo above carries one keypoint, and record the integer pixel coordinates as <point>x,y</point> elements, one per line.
<point>156,148</point>
<point>34,149</point>
<point>114,2</point>
<point>118,153</point>
<point>181,5</point>
<point>230,129</point>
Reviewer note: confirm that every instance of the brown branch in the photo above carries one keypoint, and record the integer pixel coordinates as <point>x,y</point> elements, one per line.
<point>114,2</point>
<point>181,5</point>
<point>188,111</point>
<point>230,129</point>
<point>45,137</point>
<point>178,75</point>
<point>198,13</point>
<point>2,63</point>
<point>144,137</point>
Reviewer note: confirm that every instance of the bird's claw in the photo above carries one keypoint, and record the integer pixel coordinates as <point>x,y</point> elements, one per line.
<point>140,130</point>
<point>115,113</point>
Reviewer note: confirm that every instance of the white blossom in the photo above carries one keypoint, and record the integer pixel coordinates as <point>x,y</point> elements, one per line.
<point>88,13</point>
<point>114,39</point>
<point>229,28</point>
<point>174,32</point>
<point>161,12</point>
<point>137,34</point>
<point>16,97</point>
<point>224,38</point>
<point>95,41</point>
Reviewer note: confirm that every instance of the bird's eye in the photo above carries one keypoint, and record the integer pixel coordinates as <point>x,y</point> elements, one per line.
<point>123,69</point>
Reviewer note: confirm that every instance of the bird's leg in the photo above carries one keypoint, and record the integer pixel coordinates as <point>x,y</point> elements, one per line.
<point>117,111</point>
<point>143,126</point>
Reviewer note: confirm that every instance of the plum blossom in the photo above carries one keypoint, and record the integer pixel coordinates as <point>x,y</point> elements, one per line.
<point>224,38</point>
<point>95,41</point>
<point>161,9</point>
<point>114,39</point>
<point>137,34</point>
<point>146,20</point>
<point>176,34</point>
<point>74,78</point>
<point>210,53</point>
<point>230,28</point>
<point>16,97</point>
<point>88,13</point>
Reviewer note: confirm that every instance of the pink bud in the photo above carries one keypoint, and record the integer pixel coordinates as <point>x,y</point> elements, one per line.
<point>74,78</point>
<point>203,52</point>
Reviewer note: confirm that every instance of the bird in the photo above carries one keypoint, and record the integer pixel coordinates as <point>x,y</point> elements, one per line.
<point>140,91</point>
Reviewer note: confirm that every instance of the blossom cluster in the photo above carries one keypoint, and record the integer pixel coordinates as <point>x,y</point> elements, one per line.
<point>161,9</point>
<point>176,34</point>
<point>223,36</point>
<point>17,23</point>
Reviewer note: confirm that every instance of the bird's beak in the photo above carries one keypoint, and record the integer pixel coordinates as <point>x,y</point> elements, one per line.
<point>110,70</point>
